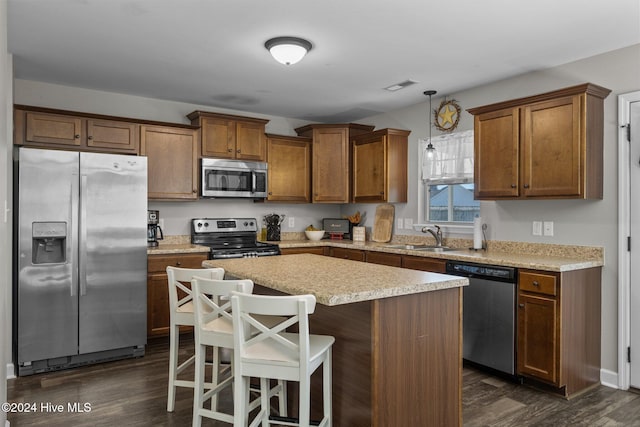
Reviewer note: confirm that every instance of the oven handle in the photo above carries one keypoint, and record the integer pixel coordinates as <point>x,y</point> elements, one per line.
<point>254,181</point>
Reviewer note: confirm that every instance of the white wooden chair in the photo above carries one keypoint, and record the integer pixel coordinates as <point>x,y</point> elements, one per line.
<point>181,314</point>
<point>213,327</point>
<point>268,352</point>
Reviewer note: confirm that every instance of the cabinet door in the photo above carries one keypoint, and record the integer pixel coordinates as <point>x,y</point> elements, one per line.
<point>393,260</point>
<point>54,129</point>
<point>289,172</point>
<point>218,137</point>
<point>157,305</point>
<point>345,253</point>
<point>113,136</point>
<point>172,162</point>
<point>317,250</point>
<point>434,265</point>
<point>538,337</point>
<point>369,170</point>
<point>496,136</point>
<point>250,141</point>
<point>552,154</point>
<point>330,165</point>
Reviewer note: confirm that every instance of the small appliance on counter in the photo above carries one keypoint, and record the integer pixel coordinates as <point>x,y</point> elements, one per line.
<point>273,222</point>
<point>154,232</point>
<point>337,228</point>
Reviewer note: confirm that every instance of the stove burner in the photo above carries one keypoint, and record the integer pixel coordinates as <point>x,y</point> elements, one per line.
<point>230,238</point>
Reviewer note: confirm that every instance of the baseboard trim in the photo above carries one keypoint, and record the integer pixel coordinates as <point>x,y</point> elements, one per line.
<point>609,378</point>
<point>11,371</point>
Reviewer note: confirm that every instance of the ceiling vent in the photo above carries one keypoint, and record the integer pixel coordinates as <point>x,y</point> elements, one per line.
<point>400,85</point>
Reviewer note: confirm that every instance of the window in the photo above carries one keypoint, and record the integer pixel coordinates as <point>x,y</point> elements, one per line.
<point>451,203</point>
<point>448,179</point>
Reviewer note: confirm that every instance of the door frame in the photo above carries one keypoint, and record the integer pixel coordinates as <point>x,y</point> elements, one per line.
<point>624,231</point>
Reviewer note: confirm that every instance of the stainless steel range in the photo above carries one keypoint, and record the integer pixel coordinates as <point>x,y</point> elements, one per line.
<point>230,238</point>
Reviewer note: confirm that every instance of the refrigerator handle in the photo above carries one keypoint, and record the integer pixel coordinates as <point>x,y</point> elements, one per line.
<point>73,232</point>
<point>82,241</point>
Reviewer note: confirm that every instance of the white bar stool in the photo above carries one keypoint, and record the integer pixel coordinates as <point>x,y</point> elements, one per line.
<point>213,327</point>
<point>181,314</point>
<point>272,353</point>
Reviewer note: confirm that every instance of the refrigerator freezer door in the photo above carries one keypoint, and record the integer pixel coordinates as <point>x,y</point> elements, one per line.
<point>47,297</point>
<point>112,251</point>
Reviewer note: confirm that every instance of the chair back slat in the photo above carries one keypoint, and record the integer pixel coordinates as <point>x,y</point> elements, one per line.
<point>178,276</point>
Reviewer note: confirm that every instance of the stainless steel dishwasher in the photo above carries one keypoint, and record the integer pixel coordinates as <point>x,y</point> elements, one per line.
<point>488,313</point>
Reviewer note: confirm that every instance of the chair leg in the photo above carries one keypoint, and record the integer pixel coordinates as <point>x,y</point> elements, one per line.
<point>174,345</point>
<point>265,401</point>
<point>198,385</point>
<point>240,400</point>
<point>304,404</point>
<point>326,388</point>
<point>282,398</point>
<point>214,377</point>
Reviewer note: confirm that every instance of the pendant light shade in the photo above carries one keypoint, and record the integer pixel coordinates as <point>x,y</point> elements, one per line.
<point>288,50</point>
<point>431,151</point>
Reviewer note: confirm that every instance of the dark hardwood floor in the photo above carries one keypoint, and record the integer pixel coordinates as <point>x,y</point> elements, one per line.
<point>134,393</point>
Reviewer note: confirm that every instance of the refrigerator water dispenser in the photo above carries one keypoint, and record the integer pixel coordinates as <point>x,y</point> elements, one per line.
<point>49,240</point>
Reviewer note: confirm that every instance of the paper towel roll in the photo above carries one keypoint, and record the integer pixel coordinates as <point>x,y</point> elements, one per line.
<point>477,233</point>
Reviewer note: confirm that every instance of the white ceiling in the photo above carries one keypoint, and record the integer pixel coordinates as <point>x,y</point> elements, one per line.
<point>211,52</point>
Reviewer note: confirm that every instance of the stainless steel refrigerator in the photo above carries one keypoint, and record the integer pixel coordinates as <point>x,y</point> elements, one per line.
<point>81,258</point>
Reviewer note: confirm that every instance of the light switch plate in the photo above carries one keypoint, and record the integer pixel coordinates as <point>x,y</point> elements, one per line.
<point>292,222</point>
<point>537,228</point>
<point>399,223</point>
<point>408,223</point>
<point>548,228</point>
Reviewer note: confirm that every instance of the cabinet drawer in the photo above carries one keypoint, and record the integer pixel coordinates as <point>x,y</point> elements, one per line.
<point>159,263</point>
<point>352,254</point>
<point>537,282</point>
<point>434,265</point>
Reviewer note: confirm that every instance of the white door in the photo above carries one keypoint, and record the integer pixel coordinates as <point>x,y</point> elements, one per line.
<point>634,291</point>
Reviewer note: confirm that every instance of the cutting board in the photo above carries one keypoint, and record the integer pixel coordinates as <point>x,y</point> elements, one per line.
<point>383,223</point>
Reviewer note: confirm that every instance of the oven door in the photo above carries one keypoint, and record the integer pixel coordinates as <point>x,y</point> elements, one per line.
<point>229,178</point>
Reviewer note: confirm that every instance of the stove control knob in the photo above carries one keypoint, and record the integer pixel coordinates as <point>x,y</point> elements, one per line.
<point>251,223</point>
<point>199,225</point>
<point>246,223</point>
<point>206,224</point>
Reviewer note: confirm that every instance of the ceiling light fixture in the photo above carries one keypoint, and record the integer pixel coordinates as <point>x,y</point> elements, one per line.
<point>288,50</point>
<point>431,151</point>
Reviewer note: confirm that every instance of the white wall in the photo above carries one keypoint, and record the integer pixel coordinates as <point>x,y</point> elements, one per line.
<point>6,142</point>
<point>577,222</point>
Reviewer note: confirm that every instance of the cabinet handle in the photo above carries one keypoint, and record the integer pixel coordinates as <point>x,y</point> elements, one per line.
<point>230,150</point>
<point>76,136</point>
<point>526,186</point>
<point>382,193</point>
<point>536,283</point>
<point>513,186</point>
<point>178,264</point>
<point>521,305</point>
<point>89,137</point>
<point>238,150</point>
<point>270,193</point>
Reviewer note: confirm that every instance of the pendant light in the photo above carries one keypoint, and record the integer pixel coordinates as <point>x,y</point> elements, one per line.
<point>431,151</point>
<point>288,50</point>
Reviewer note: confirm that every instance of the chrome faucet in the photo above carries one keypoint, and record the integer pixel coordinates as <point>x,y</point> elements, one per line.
<point>436,234</point>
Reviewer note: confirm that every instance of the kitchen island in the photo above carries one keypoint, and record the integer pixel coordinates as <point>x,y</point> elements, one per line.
<point>397,359</point>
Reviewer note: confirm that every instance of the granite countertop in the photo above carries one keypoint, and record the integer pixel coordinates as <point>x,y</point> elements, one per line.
<point>537,257</point>
<point>177,248</point>
<point>334,281</point>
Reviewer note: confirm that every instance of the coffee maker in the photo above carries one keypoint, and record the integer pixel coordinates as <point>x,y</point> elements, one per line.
<point>154,232</point>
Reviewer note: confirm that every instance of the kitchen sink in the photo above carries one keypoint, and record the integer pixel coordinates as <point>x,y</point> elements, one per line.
<point>428,248</point>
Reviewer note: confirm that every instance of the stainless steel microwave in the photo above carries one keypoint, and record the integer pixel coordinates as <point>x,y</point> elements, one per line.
<point>233,178</point>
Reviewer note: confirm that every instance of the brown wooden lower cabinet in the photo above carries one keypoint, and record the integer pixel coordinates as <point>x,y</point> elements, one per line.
<point>345,253</point>
<point>558,339</point>
<point>158,289</point>
<point>434,265</point>
<point>318,250</point>
<point>393,260</point>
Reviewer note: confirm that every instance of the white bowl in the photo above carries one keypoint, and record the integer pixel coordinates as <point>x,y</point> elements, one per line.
<point>314,235</point>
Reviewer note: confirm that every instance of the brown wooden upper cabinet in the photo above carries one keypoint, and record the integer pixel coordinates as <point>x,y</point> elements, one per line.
<point>544,146</point>
<point>230,137</point>
<point>45,128</point>
<point>380,166</point>
<point>289,172</point>
<point>331,159</point>
<point>172,161</point>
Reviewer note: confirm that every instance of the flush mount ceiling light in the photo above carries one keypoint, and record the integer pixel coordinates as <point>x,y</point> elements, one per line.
<point>288,50</point>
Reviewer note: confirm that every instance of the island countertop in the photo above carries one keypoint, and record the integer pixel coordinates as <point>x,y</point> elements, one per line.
<point>335,281</point>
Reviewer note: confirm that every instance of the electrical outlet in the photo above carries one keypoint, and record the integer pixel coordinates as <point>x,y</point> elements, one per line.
<point>399,223</point>
<point>408,223</point>
<point>537,228</point>
<point>548,228</point>
<point>292,222</point>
